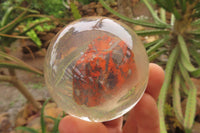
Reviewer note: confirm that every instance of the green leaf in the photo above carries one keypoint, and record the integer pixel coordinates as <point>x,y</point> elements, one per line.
<point>89,1</point>
<point>163,15</point>
<point>190,109</point>
<point>56,124</point>
<point>184,87</point>
<point>195,42</point>
<point>172,20</point>
<point>176,14</point>
<point>191,100</point>
<point>183,47</point>
<point>167,5</point>
<point>9,11</point>
<point>177,99</point>
<point>27,9</point>
<point>157,54</point>
<point>195,54</point>
<point>157,45</point>
<point>35,25</point>
<point>16,61</point>
<point>14,36</point>
<point>162,97</point>
<point>6,15</point>
<point>11,26</point>
<point>196,22</point>
<point>28,129</point>
<point>187,64</point>
<point>50,117</point>
<point>196,32</point>
<point>183,5</point>
<point>196,73</point>
<point>137,22</point>
<point>146,45</point>
<point>32,34</point>
<point>162,4</point>
<point>153,13</point>
<point>75,11</point>
<point>11,58</point>
<point>151,32</point>
<point>185,58</point>
<point>170,6</point>
<point>17,66</point>
<point>42,121</point>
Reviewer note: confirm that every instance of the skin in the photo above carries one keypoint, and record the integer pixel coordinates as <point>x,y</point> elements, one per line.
<point>143,118</point>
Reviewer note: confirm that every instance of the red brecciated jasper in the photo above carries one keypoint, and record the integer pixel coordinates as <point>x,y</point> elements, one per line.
<point>101,70</point>
<point>96,69</point>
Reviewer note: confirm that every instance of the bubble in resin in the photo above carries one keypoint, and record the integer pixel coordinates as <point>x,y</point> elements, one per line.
<point>96,69</point>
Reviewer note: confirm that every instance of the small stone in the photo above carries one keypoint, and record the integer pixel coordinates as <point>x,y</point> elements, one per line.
<point>113,4</point>
<point>41,52</point>
<point>5,124</point>
<point>47,36</point>
<point>52,110</point>
<point>196,127</point>
<point>99,11</point>
<point>92,4</point>
<point>98,5</point>
<point>35,124</point>
<point>138,27</point>
<point>20,122</point>
<point>85,7</point>
<point>90,11</point>
<point>151,39</point>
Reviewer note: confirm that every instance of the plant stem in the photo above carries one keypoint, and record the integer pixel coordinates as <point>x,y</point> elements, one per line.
<point>176,97</point>
<point>137,22</point>
<point>124,8</point>
<point>162,97</point>
<point>183,25</point>
<point>14,36</point>
<point>20,86</point>
<point>191,100</point>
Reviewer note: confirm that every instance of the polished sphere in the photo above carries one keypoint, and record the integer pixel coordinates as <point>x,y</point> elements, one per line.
<point>96,69</point>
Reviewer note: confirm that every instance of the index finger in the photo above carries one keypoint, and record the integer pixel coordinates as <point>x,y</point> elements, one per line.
<point>156,78</point>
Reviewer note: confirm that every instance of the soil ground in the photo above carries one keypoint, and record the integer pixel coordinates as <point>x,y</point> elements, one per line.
<point>11,100</point>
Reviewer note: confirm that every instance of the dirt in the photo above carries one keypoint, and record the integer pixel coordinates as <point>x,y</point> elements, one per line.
<point>11,100</point>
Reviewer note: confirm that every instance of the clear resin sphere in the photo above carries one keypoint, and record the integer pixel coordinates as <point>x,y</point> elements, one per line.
<point>96,69</point>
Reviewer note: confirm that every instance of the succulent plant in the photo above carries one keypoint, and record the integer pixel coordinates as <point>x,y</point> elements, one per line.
<point>179,39</point>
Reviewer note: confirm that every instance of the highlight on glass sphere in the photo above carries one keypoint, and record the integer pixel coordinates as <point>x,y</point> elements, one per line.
<point>96,69</point>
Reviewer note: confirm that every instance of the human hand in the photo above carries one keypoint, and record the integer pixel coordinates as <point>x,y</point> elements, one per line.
<point>143,118</point>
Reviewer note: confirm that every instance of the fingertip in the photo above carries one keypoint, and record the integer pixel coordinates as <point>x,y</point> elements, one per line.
<point>67,125</point>
<point>143,117</point>
<point>156,73</point>
<point>156,79</point>
<point>146,114</point>
<point>156,68</point>
<point>114,123</point>
<point>71,124</point>
<point>114,126</point>
<point>146,108</point>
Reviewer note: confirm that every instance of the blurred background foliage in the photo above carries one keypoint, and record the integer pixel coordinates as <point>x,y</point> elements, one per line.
<point>48,7</point>
<point>175,25</point>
